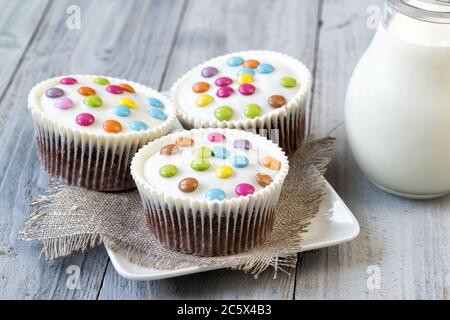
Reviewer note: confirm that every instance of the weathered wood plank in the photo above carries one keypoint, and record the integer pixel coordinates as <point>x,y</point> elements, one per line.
<point>129,39</point>
<point>212,28</point>
<point>407,240</point>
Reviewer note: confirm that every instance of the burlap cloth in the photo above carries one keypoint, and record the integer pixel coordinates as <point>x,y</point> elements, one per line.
<point>69,219</point>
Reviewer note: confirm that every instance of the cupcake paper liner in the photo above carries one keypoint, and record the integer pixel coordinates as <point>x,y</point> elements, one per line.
<point>291,121</point>
<point>203,227</point>
<point>98,161</point>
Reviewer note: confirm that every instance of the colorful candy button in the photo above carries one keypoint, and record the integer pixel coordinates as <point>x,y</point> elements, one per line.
<point>85,119</point>
<point>126,87</point>
<point>242,144</point>
<point>224,113</point>
<point>247,89</point>
<point>288,82</point>
<point>188,185</point>
<point>203,153</point>
<point>277,101</point>
<point>271,163</point>
<point>156,103</point>
<point>209,72</point>
<point>184,141</point>
<point>244,189</point>
<point>251,63</point>
<point>200,87</point>
<point>235,61</point>
<point>245,78</point>
<point>101,81</point>
<point>112,126</point>
<point>220,152</point>
<point>157,114</point>
<point>224,172</point>
<point>64,103</point>
<point>112,88</point>
<point>246,71</point>
<point>240,161</point>
<point>203,100</point>
<point>127,102</point>
<point>169,149</point>
<point>263,179</point>
<point>168,171</point>
<point>265,68</point>
<point>86,91</point>
<point>223,81</point>
<point>93,101</point>
<point>54,93</point>
<point>215,194</point>
<point>224,92</point>
<point>122,111</point>
<point>200,164</point>
<point>137,125</point>
<point>68,81</point>
<point>216,137</point>
<point>252,110</point>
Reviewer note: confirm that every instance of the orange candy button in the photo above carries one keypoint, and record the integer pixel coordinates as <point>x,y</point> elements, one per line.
<point>253,64</point>
<point>200,87</point>
<point>112,126</point>
<point>127,87</point>
<point>86,91</point>
<point>271,163</point>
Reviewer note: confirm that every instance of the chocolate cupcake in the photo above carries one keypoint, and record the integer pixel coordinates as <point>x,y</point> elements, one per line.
<point>88,128</point>
<point>210,192</point>
<point>263,91</point>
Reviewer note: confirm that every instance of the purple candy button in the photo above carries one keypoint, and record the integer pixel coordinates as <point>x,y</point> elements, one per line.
<point>223,81</point>
<point>209,72</point>
<point>247,89</point>
<point>68,81</point>
<point>244,189</point>
<point>54,93</point>
<point>224,92</point>
<point>114,89</point>
<point>242,144</point>
<point>64,103</point>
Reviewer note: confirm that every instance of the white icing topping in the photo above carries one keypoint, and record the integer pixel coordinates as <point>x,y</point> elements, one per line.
<point>266,86</point>
<point>106,110</point>
<point>207,180</point>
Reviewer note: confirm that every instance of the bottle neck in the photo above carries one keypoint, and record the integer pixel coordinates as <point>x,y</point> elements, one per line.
<point>423,22</point>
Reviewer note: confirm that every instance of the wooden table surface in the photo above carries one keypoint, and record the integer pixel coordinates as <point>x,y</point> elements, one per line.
<point>155,42</point>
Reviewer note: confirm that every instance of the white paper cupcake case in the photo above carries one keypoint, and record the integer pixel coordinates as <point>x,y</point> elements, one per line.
<point>291,120</point>
<point>98,161</point>
<point>208,228</point>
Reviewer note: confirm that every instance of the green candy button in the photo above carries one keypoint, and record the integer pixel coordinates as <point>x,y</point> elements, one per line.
<point>168,171</point>
<point>93,101</point>
<point>101,81</point>
<point>200,164</point>
<point>288,82</point>
<point>252,110</point>
<point>224,113</point>
<point>203,153</point>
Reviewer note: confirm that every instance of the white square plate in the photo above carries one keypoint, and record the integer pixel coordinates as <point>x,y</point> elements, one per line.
<point>333,225</point>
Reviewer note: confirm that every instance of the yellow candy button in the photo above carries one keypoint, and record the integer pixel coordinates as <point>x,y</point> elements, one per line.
<point>127,103</point>
<point>203,100</point>
<point>224,172</point>
<point>245,78</point>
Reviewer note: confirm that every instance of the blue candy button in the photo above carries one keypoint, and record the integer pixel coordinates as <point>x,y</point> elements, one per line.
<point>138,125</point>
<point>157,114</point>
<point>265,68</point>
<point>215,194</point>
<point>247,71</point>
<point>220,152</point>
<point>153,102</point>
<point>235,61</point>
<point>240,161</point>
<point>122,111</point>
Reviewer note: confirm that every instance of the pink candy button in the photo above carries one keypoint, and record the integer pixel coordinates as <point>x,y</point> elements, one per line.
<point>247,89</point>
<point>244,189</point>
<point>216,137</point>
<point>85,119</point>
<point>64,103</point>
<point>114,89</point>
<point>223,81</point>
<point>225,92</point>
<point>68,81</point>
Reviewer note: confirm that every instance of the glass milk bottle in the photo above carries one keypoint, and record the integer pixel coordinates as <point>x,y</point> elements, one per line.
<point>398,102</point>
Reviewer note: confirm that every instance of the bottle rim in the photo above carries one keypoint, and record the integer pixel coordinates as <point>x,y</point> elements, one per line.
<point>435,11</point>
